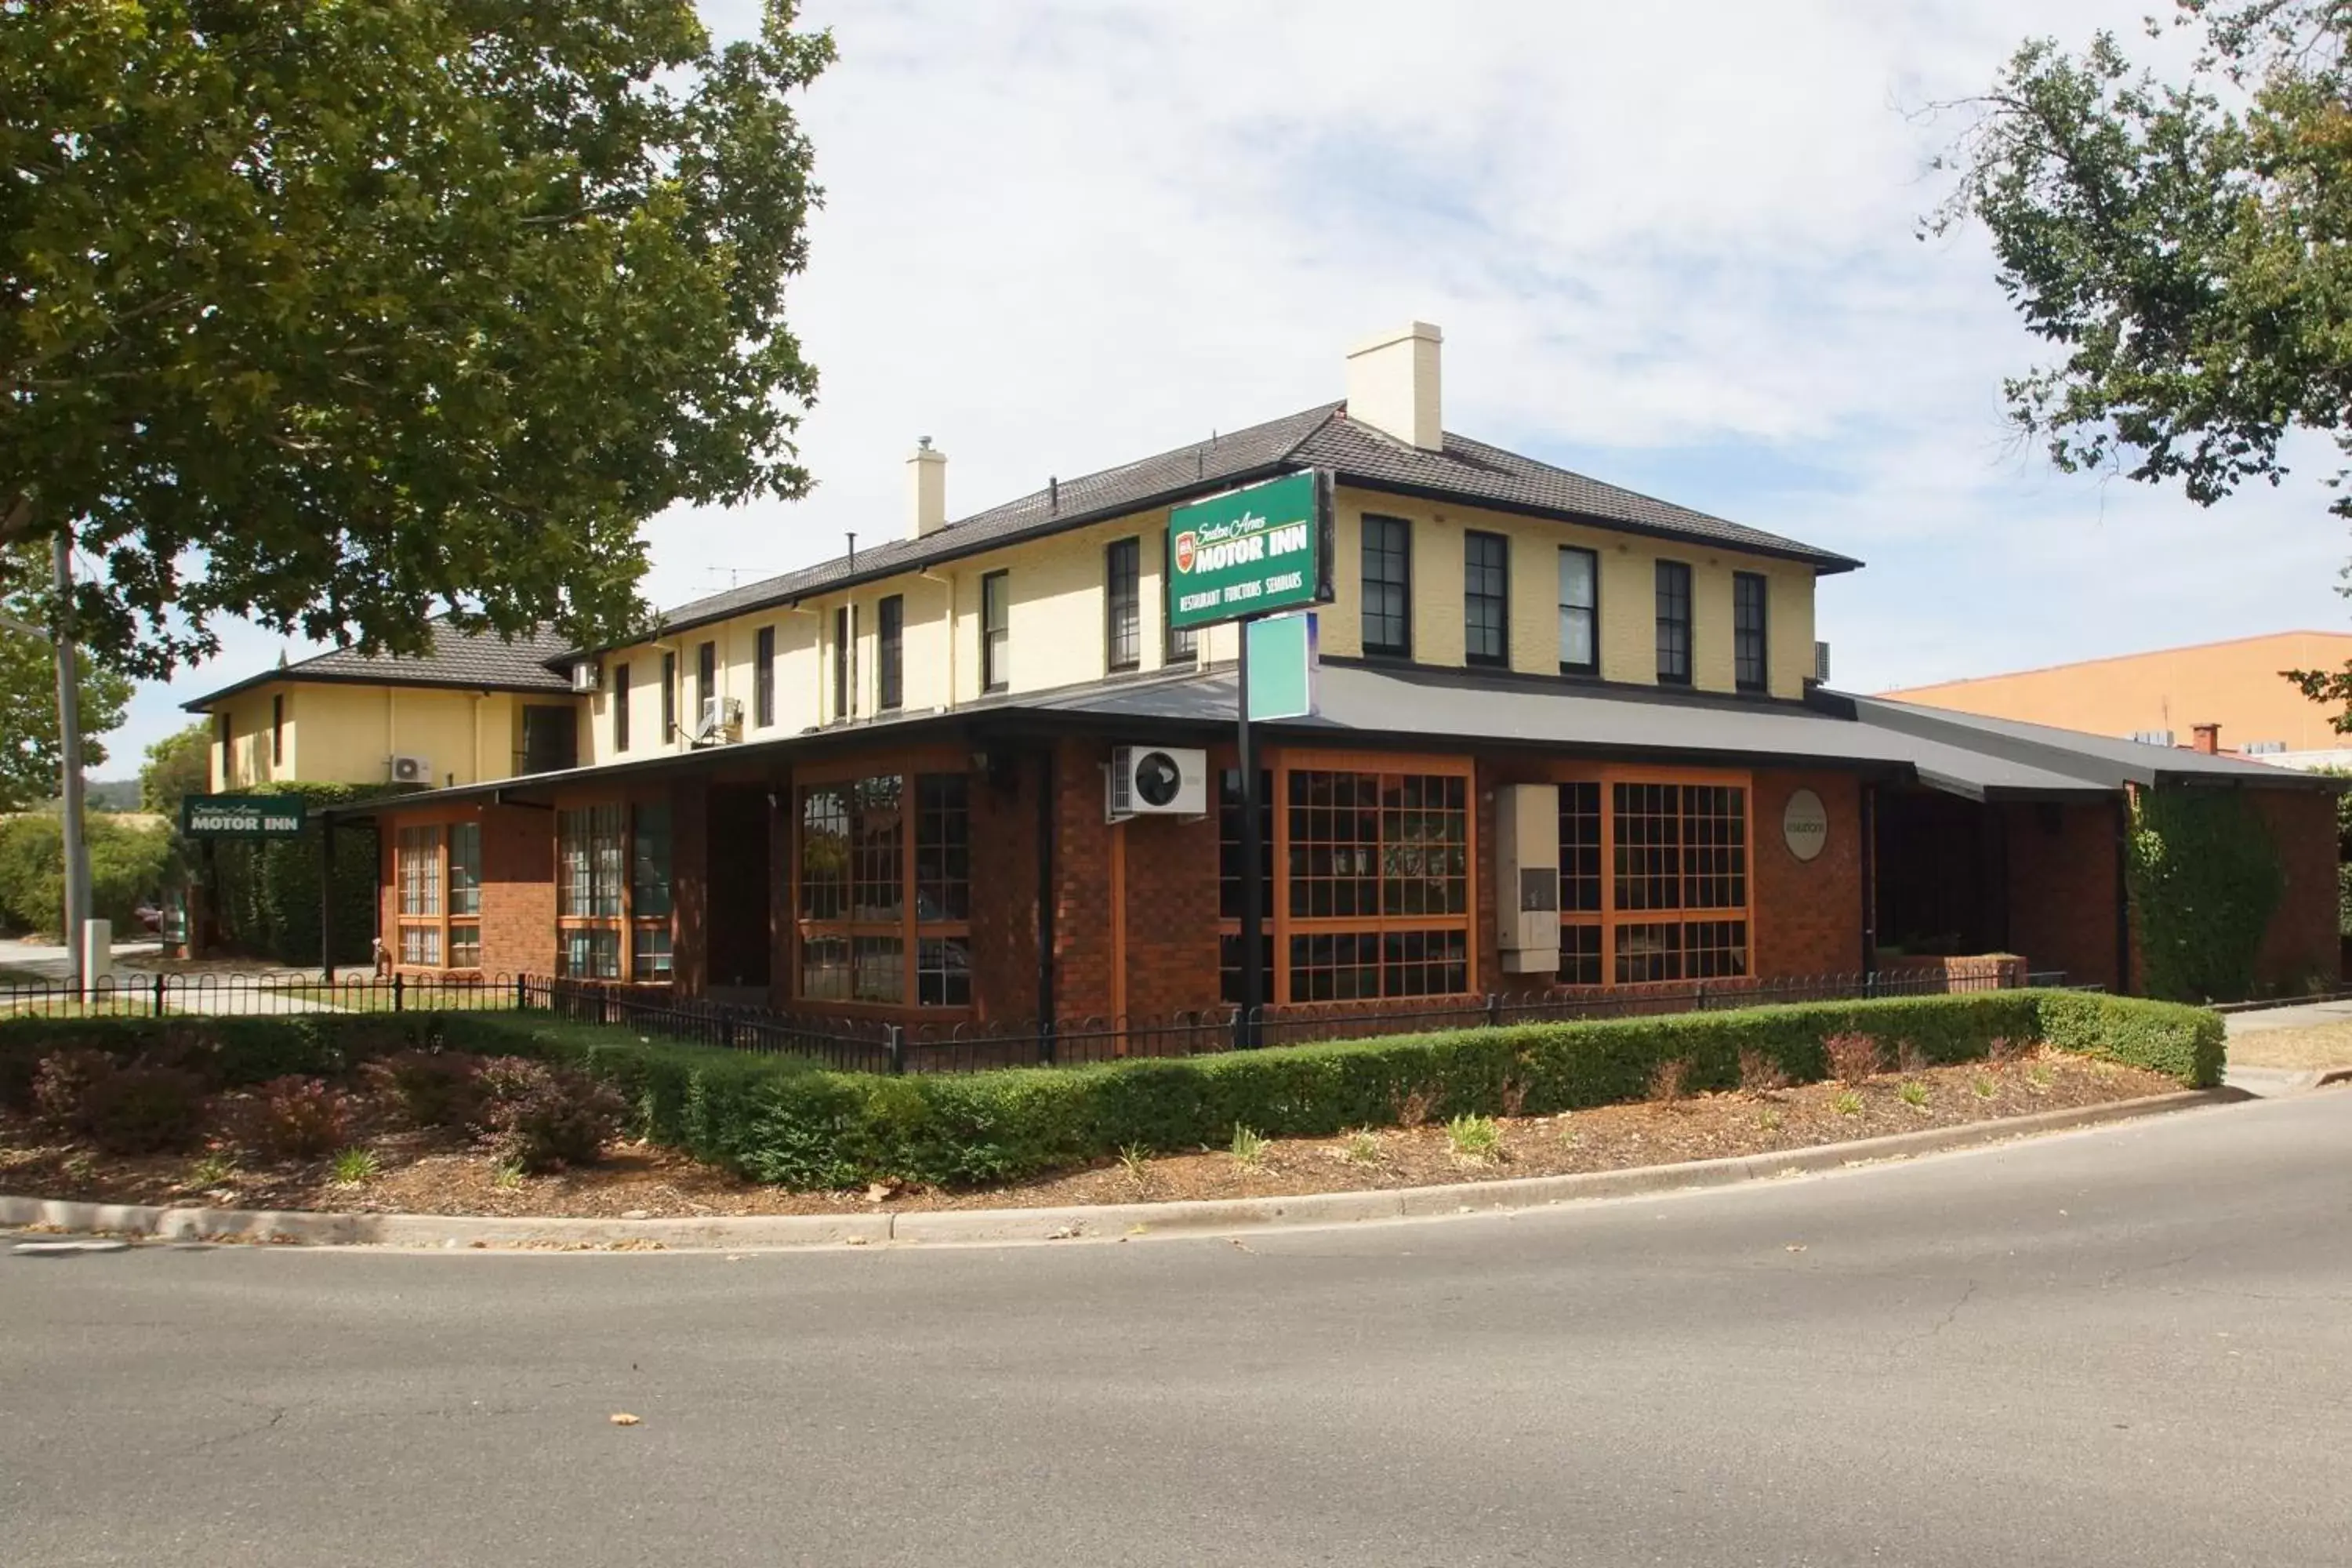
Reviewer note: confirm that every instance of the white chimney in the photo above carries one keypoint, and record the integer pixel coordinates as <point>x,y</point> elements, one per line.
<point>1392,384</point>
<point>927,490</point>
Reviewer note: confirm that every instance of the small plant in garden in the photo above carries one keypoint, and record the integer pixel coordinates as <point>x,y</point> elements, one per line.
<point>62,1081</point>
<point>543,1117</point>
<point>1909,1060</point>
<point>1412,1107</point>
<point>1846,1102</point>
<point>1984,1087</point>
<point>2002,1051</point>
<point>2041,1076</point>
<point>1362,1148</point>
<point>1914,1094</point>
<point>1670,1082</point>
<point>1854,1059</point>
<point>1248,1148</point>
<point>1136,1160</point>
<point>122,1110</point>
<point>212,1169</point>
<point>1769,1119</point>
<point>294,1118</point>
<point>1760,1075</point>
<point>507,1173</point>
<point>1478,1138</point>
<point>356,1167</point>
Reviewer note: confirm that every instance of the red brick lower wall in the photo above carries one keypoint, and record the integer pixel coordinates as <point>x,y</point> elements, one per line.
<point>517,890</point>
<point>1806,916</point>
<point>2062,887</point>
<point>1005,887</point>
<point>2301,949</point>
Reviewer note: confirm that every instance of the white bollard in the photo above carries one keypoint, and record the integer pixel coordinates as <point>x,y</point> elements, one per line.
<point>97,953</point>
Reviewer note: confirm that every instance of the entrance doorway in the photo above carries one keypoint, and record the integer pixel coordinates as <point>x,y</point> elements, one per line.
<point>738,926</point>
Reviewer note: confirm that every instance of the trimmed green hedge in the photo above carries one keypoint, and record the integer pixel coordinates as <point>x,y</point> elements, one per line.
<point>788,1121</point>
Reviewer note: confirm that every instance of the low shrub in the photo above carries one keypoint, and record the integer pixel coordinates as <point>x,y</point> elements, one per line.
<point>2170,1038</point>
<point>294,1118</point>
<point>539,1117</point>
<point>142,1109</point>
<point>431,1089</point>
<point>1854,1059</point>
<point>61,1083</point>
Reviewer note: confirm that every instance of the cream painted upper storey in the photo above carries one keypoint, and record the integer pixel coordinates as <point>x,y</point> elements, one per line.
<point>1057,632</point>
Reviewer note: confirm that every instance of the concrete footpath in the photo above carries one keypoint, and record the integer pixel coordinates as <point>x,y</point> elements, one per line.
<point>1097,1222</point>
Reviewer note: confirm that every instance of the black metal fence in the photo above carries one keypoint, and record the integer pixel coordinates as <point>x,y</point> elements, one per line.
<point>869,1045</point>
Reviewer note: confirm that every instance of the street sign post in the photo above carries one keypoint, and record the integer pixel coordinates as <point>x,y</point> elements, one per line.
<point>1236,557</point>
<point>241,815</point>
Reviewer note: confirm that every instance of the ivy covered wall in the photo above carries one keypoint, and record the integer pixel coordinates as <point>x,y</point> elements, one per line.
<point>267,890</point>
<point>2205,881</point>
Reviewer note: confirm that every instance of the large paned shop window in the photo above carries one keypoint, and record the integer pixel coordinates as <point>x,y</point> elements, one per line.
<point>438,868</point>
<point>1373,897</point>
<point>885,896</point>
<point>613,891</point>
<point>1652,880</point>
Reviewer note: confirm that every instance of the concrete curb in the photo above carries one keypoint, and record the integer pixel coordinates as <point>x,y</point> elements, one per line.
<point>1096,1222</point>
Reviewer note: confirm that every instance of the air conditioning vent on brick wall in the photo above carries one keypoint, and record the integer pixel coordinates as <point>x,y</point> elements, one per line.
<point>1822,663</point>
<point>1158,781</point>
<point>587,676</point>
<point>411,770</point>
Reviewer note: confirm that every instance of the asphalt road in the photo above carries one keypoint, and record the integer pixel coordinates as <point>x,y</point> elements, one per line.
<point>2127,1346</point>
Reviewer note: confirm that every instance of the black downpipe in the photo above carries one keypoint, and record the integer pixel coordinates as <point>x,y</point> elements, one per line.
<point>2123,893</point>
<point>1045,906</point>
<point>327,899</point>
<point>1870,884</point>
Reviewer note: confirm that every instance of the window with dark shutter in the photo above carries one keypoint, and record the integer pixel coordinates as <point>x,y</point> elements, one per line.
<point>1748,647</point>
<point>1486,598</point>
<point>890,640</point>
<point>1674,623</point>
<point>1387,586</point>
<point>1123,605</point>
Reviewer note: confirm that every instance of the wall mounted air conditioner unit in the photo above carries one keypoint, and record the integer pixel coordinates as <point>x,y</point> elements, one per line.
<point>722,721</point>
<point>1820,664</point>
<point>1158,781</point>
<point>587,676</point>
<point>411,770</point>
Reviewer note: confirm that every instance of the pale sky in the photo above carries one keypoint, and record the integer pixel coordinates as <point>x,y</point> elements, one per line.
<point>1671,247</point>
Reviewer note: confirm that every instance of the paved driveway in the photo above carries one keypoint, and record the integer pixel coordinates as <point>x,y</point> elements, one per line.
<point>2126,1346</point>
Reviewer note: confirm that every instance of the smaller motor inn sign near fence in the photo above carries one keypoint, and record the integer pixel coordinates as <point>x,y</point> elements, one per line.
<point>1250,551</point>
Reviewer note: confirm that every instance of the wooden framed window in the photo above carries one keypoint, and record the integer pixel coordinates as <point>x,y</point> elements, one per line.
<point>883,864</point>
<point>436,873</point>
<point>763,677</point>
<point>1369,876</point>
<point>1486,598</point>
<point>649,891</point>
<point>995,630</point>
<point>1579,611</point>
<point>1654,876</point>
<point>1123,605</point>
<point>1674,623</point>
<point>1748,647</point>
<point>891,653</point>
<point>619,708</point>
<point>1387,586</point>
<point>589,898</point>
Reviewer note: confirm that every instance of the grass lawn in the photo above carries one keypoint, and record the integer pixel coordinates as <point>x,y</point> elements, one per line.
<point>2325,1045</point>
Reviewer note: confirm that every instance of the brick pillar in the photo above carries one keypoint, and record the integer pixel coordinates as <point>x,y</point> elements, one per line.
<point>689,883</point>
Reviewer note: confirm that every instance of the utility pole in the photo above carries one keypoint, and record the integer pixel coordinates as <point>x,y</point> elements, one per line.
<point>69,754</point>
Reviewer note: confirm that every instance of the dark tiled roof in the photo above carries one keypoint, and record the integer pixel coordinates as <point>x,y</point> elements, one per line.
<point>1322,437</point>
<point>477,662</point>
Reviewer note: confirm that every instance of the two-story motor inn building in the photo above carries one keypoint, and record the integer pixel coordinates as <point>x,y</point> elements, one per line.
<point>877,785</point>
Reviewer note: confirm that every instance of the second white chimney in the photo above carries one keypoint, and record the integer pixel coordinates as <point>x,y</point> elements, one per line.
<point>927,490</point>
<point>1392,384</point>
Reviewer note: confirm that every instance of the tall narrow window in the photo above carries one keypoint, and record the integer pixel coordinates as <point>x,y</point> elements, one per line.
<point>278,731</point>
<point>649,896</point>
<point>1387,586</point>
<point>417,853</point>
<point>706,682</point>
<point>995,631</point>
<point>669,699</point>
<point>1747,630</point>
<point>890,652</point>
<point>1674,623</point>
<point>841,662</point>
<point>1580,612</point>
<point>885,902</point>
<point>619,708</point>
<point>591,862</point>
<point>1123,605</point>
<point>226,726</point>
<point>465,895</point>
<point>763,677</point>
<point>1486,598</point>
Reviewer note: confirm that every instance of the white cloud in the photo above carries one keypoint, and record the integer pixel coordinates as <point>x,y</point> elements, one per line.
<point>1671,245</point>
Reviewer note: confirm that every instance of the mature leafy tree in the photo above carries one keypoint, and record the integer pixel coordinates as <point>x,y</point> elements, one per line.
<point>28,687</point>
<point>179,764</point>
<point>330,313</point>
<point>2185,247</point>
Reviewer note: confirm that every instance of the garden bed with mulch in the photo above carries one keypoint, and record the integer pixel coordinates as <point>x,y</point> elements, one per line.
<point>386,1166</point>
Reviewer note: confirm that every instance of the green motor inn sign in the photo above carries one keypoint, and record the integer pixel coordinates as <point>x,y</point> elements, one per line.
<point>1251,552</point>
<point>240,816</point>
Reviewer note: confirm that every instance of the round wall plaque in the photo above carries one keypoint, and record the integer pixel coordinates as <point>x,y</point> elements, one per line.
<point>1805,824</point>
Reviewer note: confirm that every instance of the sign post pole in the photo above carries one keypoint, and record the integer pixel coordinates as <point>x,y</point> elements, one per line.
<point>1252,858</point>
